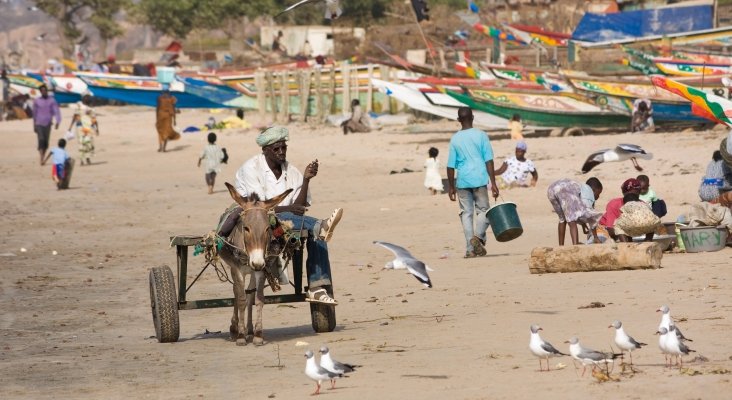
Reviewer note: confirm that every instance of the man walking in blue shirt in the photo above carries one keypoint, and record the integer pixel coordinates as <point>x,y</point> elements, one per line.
<point>471,155</point>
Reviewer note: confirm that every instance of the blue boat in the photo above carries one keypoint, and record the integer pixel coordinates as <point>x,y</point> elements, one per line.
<point>214,89</point>
<point>142,90</point>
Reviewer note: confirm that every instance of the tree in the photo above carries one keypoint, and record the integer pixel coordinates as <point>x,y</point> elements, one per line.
<point>71,13</point>
<point>178,18</point>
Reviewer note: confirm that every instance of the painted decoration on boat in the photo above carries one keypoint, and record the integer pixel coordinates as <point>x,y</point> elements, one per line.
<point>717,106</point>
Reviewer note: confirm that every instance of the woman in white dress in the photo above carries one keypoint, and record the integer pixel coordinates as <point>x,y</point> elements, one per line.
<point>432,177</point>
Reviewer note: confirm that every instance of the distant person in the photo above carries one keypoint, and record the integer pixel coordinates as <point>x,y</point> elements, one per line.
<point>571,202</point>
<point>5,95</point>
<point>112,66</point>
<point>45,110</point>
<point>213,155</point>
<point>516,127</point>
<point>432,178</point>
<point>59,169</point>
<point>713,178</point>
<point>642,119</point>
<point>358,121</point>
<point>471,155</point>
<point>307,50</point>
<point>515,171</point>
<point>277,45</point>
<point>165,120</point>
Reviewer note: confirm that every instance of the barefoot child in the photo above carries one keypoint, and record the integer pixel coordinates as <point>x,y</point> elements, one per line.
<point>214,156</point>
<point>569,203</point>
<point>60,156</point>
<point>432,177</point>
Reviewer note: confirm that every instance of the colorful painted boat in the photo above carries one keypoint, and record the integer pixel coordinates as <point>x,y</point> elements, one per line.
<point>676,67</point>
<point>23,84</point>
<point>71,86</point>
<point>618,95</point>
<point>435,103</point>
<point>214,89</point>
<point>542,108</point>
<point>141,90</point>
<point>710,104</point>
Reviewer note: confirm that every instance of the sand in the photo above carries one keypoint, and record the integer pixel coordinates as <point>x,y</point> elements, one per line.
<point>77,325</point>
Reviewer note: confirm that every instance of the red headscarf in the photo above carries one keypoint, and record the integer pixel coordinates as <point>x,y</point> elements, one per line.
<point>630,185</point>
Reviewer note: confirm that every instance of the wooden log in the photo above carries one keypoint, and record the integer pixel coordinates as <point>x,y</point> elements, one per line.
<point>605,257</point>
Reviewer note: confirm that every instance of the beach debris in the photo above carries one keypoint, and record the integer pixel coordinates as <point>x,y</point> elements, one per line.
<point>54,252</point>
<point>594,304</point>
<point>405,260</point>
<point>300,343</point>
<point>23,250</point>
<point>403,171</point>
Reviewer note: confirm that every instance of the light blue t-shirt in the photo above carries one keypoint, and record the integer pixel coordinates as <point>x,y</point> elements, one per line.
<point>470,149</point>
<point>587,195</point>
<point>59,155</point>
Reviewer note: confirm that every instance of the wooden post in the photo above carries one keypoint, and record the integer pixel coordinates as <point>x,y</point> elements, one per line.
<point>443,62</point>
<point>319,94</point>
<point>435,66</point>
<point>604,257</point>
<point>285,90</point>
<point>259,83</point>
<point>356,86</point>
<point>331,108</point>
<point>272,97</point>
<point>304,94</point>
<point>346,89</point>
<point>370,90</point>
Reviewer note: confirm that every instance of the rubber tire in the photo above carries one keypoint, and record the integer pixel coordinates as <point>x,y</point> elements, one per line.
<point>323,316</point>
<point>164,304</point>
<point>573,132</point>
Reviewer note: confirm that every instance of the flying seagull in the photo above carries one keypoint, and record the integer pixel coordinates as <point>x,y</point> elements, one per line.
<point>541,348</point>
<point>622,152</point>
<point>404,259</point>
<point>332,8</point>
<point>318,373</point>
<point>588,356</point>
<point>624,341</point>
<point>334,366</point>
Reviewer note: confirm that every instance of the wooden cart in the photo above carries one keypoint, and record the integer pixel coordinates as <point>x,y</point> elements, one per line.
<point>168,294</point>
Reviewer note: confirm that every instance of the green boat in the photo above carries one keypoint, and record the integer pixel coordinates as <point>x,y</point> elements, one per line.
<point>538,108</point>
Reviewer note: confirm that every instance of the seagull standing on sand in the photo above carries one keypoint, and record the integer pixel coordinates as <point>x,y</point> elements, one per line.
<point>541,348</point>
<point>667,322</point>
<point>404,259</point>
<point>624,341</point>
<point>334,366</point>
<point>332,8</point>
<point>676,346</point>
<point>663,335</point>
<point>622,152</point>
<point>588,356</point>
<point>318,373</point>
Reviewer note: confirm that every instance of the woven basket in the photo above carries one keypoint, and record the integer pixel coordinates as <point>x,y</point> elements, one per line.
<point>637,219</point>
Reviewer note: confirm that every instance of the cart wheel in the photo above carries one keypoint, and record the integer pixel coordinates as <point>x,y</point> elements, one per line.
<point>164,304</point>
<point>323,315</point>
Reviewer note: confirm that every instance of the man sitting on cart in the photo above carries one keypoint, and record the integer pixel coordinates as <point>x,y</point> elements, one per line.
<point>269,174</point>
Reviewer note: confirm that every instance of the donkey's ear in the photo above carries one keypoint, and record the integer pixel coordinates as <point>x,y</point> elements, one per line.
<point>271,203</point>
<point>235,195</point>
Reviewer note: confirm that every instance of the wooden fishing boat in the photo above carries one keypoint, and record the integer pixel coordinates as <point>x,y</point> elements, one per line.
<point>541,108</point>
<point>677,67</point>
<point>715,108</point>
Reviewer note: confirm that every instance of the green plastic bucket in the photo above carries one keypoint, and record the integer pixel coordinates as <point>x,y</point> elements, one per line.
<point>505,222</point>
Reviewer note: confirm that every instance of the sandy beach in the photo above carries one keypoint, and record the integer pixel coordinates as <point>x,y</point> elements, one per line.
<point>77,324</point>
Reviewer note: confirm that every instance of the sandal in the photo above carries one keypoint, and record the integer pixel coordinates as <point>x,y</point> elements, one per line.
<point>328,225</point>
<point>320,296</point>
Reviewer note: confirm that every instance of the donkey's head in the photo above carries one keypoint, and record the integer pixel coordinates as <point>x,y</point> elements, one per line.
<point>253,231</point>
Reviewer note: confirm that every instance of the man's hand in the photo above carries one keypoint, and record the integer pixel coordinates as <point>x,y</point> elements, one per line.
<point>311,170</point>
<point>494,190</point>
<point>452,193</point>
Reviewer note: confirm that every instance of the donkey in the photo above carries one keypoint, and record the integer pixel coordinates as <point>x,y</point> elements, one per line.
<point>246,255</point>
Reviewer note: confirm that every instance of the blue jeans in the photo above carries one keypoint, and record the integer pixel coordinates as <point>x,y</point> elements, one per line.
<point>317,264</point>
<point>473,206</point>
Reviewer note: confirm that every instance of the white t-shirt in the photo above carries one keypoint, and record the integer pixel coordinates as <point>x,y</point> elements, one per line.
<point>518,171</point>
<point>255,176</point>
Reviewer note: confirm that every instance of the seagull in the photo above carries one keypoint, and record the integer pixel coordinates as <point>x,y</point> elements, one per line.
<point>40,37</point>
<point>317,373</point>
<point>541,348</point>
<point>620,153</point>
<point>332,8</point>
<point>588,356</point>
<point>667,322</point>
<point>625,342</point>
<point>334,366</point>
<point>404,259</point>
<point>676,346</point>
<point>663,335</point>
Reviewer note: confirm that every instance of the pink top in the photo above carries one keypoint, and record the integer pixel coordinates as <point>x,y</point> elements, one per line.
<point>612,212</point>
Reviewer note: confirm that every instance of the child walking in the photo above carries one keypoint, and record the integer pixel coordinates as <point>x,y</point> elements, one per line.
<point>432,177</point>
<point>213,155</point>
<point>60,157</point>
